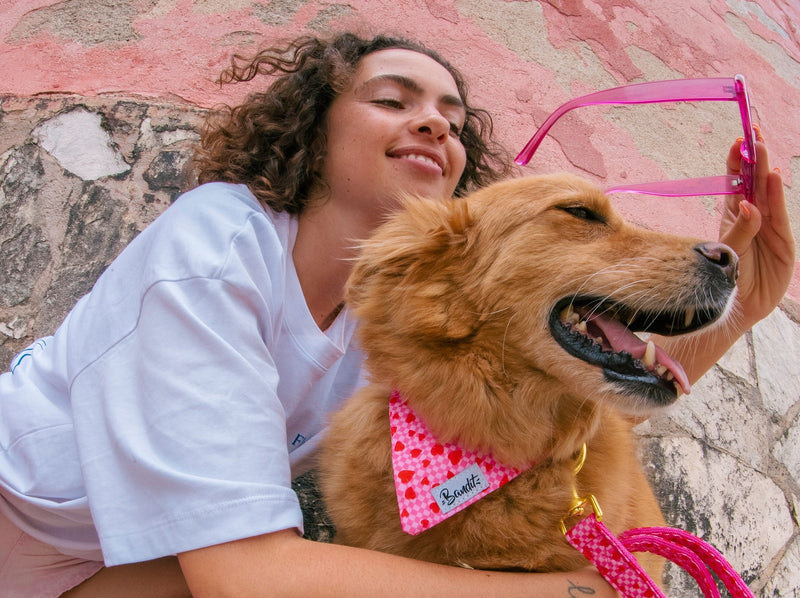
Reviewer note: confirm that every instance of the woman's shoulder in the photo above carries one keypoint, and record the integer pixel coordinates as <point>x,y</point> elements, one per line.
<point>212,218</point>
<point>219,191</point>
<point>223,203</point>
<point>202,234</point>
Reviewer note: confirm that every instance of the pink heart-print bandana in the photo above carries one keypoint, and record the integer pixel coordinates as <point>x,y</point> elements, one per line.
<point>435,480</point>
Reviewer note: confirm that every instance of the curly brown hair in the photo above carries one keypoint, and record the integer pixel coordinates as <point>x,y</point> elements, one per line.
<point>275,141</point>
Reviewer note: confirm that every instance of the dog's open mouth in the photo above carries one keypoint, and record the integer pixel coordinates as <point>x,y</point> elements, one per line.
<point>601,333</point>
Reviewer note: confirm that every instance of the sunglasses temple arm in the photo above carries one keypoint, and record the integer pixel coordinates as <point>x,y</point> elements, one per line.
<point>530,148</point>
<point>714,185</point>
<point>721,89</point>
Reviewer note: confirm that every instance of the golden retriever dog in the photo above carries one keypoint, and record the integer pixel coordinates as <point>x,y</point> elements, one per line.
<point>505,322</point>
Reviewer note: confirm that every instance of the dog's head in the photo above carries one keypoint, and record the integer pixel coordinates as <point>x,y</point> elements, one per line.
<point>519,303</point>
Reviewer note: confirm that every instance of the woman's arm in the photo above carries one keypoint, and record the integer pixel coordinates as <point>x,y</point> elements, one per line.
<point>761,235</point>
<point>284,564</point>
<point>160,578</point>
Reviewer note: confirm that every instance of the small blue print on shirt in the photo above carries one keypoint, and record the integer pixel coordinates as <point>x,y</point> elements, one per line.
<point>40,344</point>
<point>298,440</point>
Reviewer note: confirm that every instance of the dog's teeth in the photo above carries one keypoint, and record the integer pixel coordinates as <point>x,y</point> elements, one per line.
<point>661,370</point>
<point>581,327</point>
<point>669,377</point>
<point>649,358</point>
<point>568,315</point>
<point>690,311</point>
<point>599,340</point>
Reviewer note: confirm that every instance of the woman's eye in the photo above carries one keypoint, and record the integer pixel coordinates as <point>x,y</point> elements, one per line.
<point>391,102</point>
<point>455,129</point>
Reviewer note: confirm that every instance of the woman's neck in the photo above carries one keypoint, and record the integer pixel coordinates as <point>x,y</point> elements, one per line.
<point>322,255</point>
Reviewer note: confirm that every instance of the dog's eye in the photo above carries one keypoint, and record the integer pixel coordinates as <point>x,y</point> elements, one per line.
<point>583,213</point>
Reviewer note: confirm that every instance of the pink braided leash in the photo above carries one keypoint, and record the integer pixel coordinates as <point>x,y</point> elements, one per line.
<point>612,557</point>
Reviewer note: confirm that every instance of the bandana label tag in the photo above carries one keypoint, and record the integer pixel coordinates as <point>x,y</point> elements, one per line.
<point>459,489</point>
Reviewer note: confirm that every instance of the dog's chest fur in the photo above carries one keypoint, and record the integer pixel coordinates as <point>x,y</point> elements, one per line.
<point>516,527</point>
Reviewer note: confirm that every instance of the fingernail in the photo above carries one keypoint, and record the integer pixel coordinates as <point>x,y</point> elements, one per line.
<point>740,140</point>
<point>776,169</point>
<point>759,136</point>
<point>744,210</point>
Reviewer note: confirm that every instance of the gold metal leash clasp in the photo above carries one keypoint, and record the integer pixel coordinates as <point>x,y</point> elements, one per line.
<point>578,505</point>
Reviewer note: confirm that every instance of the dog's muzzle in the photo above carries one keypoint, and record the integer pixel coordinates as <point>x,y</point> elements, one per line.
<point>602,331</point>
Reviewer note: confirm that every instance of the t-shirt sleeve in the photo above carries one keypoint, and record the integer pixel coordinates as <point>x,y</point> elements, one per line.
<point>182,438</point>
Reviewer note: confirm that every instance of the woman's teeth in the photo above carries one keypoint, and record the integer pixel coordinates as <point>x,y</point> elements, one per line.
<point>421,158</point>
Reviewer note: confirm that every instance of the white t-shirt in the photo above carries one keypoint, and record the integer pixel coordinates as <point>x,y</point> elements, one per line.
<point>181,395</point>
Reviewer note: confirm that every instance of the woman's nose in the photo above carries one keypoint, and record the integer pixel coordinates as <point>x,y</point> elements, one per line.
<point>431,122</point>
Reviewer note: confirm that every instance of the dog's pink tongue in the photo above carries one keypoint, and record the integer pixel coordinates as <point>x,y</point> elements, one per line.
<point>622,339</point>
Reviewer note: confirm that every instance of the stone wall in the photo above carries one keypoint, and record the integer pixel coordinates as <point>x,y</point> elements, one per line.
<point>80,177</point>
<point>725,460</point>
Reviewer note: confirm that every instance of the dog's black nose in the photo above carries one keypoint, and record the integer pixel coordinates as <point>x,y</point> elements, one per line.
<point>721,256</point>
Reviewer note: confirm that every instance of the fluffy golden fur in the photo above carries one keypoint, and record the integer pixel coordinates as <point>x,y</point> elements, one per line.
<point>462,305</point>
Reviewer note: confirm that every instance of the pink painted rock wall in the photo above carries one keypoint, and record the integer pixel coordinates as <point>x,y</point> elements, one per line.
<point>523,58</point>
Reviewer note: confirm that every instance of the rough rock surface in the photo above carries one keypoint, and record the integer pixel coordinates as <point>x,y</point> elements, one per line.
<point>79,178</point>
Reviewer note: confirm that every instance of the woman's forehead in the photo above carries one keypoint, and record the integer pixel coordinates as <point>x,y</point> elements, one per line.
<point>426,72</point>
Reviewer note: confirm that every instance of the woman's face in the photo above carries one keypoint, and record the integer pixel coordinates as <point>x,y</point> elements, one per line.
<point>395,130</point>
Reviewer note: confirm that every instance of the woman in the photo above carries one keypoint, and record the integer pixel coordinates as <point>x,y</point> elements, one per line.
<point>178,399</point>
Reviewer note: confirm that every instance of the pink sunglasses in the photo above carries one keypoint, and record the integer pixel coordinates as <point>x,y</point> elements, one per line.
<point>678,90</point>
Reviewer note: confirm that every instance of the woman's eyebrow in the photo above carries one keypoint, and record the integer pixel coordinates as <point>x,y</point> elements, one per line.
<point>409,84</point>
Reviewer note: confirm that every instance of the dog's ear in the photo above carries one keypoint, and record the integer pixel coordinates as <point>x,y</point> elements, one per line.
<point>409,271</point>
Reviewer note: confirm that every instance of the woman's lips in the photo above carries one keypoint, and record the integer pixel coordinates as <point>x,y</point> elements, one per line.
<point>420,157</point>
